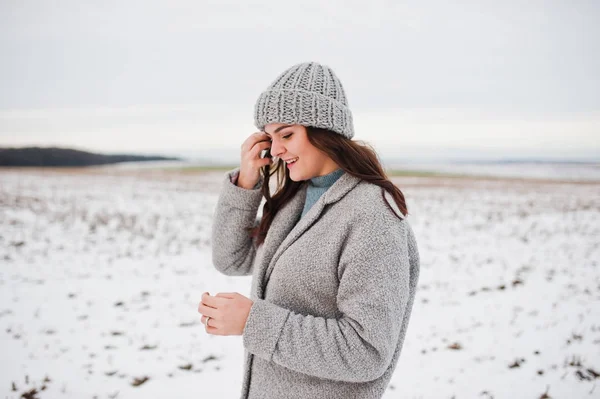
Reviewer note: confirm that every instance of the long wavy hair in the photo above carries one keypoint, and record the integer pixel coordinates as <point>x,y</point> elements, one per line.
<point>355,157</point>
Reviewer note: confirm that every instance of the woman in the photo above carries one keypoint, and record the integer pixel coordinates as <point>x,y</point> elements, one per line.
<point>334,263</point>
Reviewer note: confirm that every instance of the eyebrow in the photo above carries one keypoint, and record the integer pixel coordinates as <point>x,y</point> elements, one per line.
<point>278,129</point>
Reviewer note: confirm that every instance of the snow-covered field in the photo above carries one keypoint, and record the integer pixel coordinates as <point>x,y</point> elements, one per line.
<point>585,172</point>
<point>102,270</point>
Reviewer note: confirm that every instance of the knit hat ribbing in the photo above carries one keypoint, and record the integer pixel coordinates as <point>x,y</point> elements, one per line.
<point>309,94</point>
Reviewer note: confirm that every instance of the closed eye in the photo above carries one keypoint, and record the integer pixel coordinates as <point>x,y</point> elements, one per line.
<point>288,136</point>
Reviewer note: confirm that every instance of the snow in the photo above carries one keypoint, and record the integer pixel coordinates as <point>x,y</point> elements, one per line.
<point>102,270</point>
<point>583,171</point>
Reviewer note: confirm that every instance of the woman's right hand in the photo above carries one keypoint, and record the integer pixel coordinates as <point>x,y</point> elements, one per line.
<point>251,162</point>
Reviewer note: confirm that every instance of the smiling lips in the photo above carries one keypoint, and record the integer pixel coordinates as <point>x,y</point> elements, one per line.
<point>290,162</point>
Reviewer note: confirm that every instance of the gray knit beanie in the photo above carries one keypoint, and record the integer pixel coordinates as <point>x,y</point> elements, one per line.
<point>308,94</point>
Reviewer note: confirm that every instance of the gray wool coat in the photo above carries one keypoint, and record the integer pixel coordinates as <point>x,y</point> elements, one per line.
<point>332,291</point>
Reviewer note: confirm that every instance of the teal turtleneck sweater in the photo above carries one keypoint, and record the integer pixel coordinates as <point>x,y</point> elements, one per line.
<point>317,186</point>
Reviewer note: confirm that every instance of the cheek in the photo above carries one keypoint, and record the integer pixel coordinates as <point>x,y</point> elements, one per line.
<point>306,150</point>
<point>310,154</point>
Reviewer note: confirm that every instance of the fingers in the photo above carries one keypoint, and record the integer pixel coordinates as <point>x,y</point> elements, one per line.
<point>217,311</point>
<point>212,327</point>
<point>251,161</point>
<point>229,295</point>
<point>253,158</point>
<point>258,147</point>
<point>208,311</point>
<point>253,139</point>
<point>213,301</point>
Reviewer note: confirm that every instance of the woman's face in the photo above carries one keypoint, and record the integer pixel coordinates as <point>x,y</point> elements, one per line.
<point>289,142</point>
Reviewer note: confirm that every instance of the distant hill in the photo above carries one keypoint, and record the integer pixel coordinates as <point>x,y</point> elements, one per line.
<point>55,156</point>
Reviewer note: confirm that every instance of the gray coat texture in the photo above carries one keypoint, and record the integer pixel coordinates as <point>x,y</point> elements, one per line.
<point>333,291</point>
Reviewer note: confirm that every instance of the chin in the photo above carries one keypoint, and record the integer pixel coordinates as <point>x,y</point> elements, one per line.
<point>294,177</point>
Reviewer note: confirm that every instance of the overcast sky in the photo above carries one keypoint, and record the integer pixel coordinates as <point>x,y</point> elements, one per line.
<point>491,78</point>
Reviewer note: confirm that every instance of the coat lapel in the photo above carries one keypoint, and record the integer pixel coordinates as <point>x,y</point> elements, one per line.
<point>284,230</point>
<point>282,224</point>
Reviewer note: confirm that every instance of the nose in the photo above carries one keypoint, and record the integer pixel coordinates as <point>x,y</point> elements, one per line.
<point>277,148</point>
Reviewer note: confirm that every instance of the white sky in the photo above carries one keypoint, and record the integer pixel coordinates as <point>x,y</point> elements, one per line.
<point>490,78</point>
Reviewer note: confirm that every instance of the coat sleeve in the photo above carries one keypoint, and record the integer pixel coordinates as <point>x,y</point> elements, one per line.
<point>358,346</point>
<point>233,251</point>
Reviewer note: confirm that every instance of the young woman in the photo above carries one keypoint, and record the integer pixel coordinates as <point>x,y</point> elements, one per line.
<point>334,263</point>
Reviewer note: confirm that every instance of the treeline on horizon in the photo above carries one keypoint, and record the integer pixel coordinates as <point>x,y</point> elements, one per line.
<point>58,157</point>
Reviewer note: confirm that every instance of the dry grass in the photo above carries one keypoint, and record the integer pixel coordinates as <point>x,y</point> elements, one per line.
<point>404,177</point>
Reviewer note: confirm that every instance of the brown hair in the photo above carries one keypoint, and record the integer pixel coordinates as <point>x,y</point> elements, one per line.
<point>356,158</point>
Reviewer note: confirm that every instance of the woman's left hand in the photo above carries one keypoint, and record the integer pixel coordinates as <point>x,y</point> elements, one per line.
<point>228,312</point>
